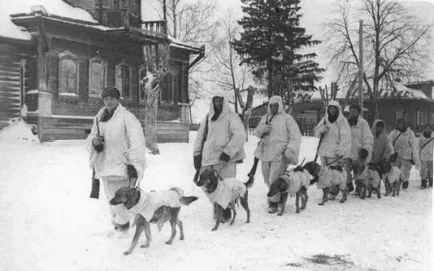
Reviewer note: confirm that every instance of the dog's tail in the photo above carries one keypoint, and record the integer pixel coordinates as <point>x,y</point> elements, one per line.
<point>187,200</point>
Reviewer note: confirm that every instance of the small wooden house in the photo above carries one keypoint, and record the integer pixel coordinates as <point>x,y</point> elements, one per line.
<point>56,58</point>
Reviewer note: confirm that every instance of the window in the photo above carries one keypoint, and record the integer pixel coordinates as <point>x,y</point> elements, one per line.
<point>123,80</point>
<point>173,87</point>
<point>97,76</point>
<point>68,74</point>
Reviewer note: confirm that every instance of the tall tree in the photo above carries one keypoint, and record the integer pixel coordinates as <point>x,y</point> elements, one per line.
<point>396,44</point>
<point>274,44</point>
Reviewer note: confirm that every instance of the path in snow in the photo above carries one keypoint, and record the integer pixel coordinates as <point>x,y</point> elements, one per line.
<point>48,221</point>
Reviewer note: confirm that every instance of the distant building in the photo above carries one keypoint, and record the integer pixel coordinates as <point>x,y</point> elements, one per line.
<point>56,59</point>
<point>412,102</point>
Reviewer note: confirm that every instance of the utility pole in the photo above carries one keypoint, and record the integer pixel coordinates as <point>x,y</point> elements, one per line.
<point>361,64</point>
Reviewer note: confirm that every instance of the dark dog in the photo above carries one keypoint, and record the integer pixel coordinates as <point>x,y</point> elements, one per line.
<point>225,193</point>
<point>295,181</point>
<point>154,207</point>
<point>327,177</point>
<point>368,178</point>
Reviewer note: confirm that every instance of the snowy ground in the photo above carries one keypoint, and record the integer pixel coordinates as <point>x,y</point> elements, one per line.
<point>48,221</point>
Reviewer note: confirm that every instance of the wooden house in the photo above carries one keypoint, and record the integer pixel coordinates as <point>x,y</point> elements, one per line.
<point>57,56</point>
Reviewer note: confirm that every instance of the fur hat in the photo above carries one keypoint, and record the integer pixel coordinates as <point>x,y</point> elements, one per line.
<point>111,92</point>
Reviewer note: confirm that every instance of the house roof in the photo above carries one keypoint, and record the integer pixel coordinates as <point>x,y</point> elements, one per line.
<point>183,45</point>
<point>52,7</point>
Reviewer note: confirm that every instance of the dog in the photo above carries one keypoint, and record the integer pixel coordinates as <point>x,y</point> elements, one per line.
<point>295,181</point>
<point>327,177</point>
<point>367,178</point>
<point>156,207</point>
<point>392,178</point>
<point>225,193</point>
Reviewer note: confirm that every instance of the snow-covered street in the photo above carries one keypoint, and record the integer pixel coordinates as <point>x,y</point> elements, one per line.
<point>48,221</point>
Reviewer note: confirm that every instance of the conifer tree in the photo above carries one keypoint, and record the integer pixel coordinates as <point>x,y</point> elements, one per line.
<point>274,44</point>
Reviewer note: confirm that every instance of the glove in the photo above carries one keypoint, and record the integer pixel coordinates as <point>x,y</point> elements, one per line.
<point>132,175</point>
<point>98,143</point>
<point>393,157</point>
<point>363,154</point>
<point>224,157</point>
<point>290,157</point>
<point>197,161</point>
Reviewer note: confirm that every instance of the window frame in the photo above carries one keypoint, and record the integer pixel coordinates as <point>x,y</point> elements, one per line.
<point>68,56</point>
<point>93,93</point>
<point>119,85</point>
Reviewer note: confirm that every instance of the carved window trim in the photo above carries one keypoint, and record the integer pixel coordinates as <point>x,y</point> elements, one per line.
<point>73,73</point>
<point>95,92</point>
<point>122,69</point>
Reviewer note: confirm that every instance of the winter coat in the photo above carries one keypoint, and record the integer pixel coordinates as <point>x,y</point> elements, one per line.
<point>361,137</point>
<point>124,143</point>
<point>382,148</point>
<point>427,152</point>
<point>328,177</point>
<point>227,191</point>
<point>225,134</point>
<point>281,138</point>
<point>368,177</point>
<point>405,145</point>
<point>393,175</point>
<point>150,202</point>
<point>296,180</point>
<point>336,136</point>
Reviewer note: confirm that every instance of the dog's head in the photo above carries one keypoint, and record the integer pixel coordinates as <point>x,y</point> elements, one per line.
<point>384,166</point>
<point>358,167</point>
<point>209,178</point>
<point>278,186</point>
<point>128,196</point>
<point>314,169</point>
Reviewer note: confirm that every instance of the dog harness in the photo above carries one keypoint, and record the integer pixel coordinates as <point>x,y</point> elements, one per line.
<point>393,175</point>
<point>150,202</point>
<point>227,191</point>
<point>328,177</point>
<point>296,180</point>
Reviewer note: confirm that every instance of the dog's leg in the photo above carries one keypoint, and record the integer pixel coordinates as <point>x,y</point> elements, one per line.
<point>362,191</point>
<point>139,229</point>
<point>370,191</point>
<point>394,188</point>
<point>283,200</point>
<point>324,196</point>
<point>234,212</point>
<point>245,204</point>
<point>181,229</point>
<point>344,195</point>
<point>399,182</point>
<point>387,187</point>
<point>305,198</point>
<point>297,202</point>
<point>378,189</point>
<point>147,228</point>
<point>219,211</point>
<point>174,212</point>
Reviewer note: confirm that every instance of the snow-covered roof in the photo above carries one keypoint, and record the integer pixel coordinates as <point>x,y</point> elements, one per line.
<point>53,7</point>
<point>182,45</point>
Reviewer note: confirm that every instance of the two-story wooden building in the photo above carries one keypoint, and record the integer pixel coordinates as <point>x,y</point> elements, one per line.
<point>57,56</point>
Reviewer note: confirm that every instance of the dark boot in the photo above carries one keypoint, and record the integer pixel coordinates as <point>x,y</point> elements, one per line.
<point>405,185</point>
<point>423,184</point>
<point>122,227</point>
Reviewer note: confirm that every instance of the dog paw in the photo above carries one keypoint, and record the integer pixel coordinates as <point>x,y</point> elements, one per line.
<point>144,246</point>
<point>321,204</point>
<point>297,211</point>
<point>248,221</point>
<point>169,242</point>
<point>214,229</point>
<point>127,253</point>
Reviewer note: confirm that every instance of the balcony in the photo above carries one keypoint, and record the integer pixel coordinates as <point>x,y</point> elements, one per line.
<point>155,26</point>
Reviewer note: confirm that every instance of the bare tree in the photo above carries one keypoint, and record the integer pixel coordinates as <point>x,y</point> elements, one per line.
<point>191,21</point>
<point>396,43</point>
